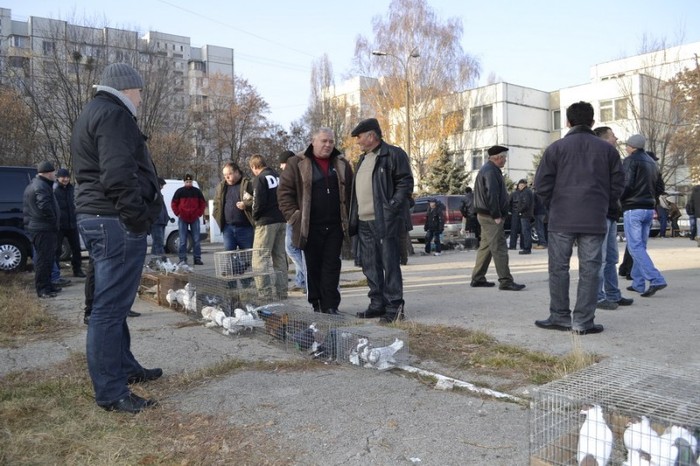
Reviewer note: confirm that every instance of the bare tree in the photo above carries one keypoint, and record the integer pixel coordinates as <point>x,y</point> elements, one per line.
<point>17,129</point>
<point>686,98</point>
<point>421,62</point>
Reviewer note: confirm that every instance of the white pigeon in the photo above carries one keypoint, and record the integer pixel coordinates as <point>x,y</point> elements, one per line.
<point>248,321</point>
<point>663,452</point>
<point>638,458</point>
<point>190,302</point>
<point>639,435</point>
<point>171,298</point>
<point>180,294</point>
<point>363,347</point>
<point>254,310</point>
<point>229,325</point>
<point>218,316</point>
<point>595,437</point>
<point>208,311</point>
<point>383,357</point>
<point>167,266</point>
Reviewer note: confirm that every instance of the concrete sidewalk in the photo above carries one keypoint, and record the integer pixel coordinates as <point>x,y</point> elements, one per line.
<point>352,416</point>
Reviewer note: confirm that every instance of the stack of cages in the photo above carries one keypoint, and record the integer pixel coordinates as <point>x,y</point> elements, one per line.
<point>613,412</point>
<point>243,279</point>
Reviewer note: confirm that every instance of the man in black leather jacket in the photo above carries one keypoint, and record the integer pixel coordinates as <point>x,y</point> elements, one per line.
<point>378,211</point>
<point>117,200</point>
<point>41,221</point>
<point>643,184</point>
<point>491,202</point>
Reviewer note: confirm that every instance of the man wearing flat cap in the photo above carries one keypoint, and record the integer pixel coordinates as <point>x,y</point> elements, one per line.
<point>65,196</point>
<point>643,185</point>
<point>188,205</point>
<point>382,186</point>
<point>41,221</point>
<point>579,178</point>
<point>117,200</point>
<point>491,203</point>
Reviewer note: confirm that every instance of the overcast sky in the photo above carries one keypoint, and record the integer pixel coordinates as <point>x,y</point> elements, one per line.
<point>542,44</point>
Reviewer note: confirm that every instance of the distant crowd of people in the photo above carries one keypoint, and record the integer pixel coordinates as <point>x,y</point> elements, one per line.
<point>317,203</point>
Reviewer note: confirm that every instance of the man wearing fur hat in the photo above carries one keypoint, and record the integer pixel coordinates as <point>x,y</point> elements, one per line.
<point>41,221</point>
<point>117,200</point>
<point>382,186</point>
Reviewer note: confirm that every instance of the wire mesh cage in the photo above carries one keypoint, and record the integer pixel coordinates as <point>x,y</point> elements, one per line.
<point>242,263</point>
<point>619,411</point>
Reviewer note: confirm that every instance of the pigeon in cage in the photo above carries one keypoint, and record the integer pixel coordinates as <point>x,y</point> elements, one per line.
<point>326,348</point>
<point>171,298</point>
<point>166,266</point>
<point>189,300</point>
<point>678,432</point>
<point>664,451</point>
<point>595,438</point>
<point>212,300</point>
<point>382,358</point>
<point>255,311</point>
<point>208,312</point>
<point>639,435</point>
<point>305,338</point>
<point>363,348</point>
<point>230,326</point>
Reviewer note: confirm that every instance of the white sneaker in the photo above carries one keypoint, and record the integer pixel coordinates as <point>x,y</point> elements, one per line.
<point>437,254</point>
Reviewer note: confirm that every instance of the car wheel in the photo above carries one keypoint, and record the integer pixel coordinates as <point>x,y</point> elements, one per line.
<point>173,243</point>
<point>13,257</point>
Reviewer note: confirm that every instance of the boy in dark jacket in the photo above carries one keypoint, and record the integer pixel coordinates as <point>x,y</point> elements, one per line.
<point>434,226</point>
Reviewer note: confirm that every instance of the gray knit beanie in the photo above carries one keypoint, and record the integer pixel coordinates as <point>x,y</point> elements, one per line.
<point>121,76</point>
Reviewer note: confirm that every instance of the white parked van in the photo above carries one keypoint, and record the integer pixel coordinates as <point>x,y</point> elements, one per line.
<point>172,235</point>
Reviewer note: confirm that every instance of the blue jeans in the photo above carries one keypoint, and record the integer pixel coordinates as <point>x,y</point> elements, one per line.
<point>609,289</point>
<point>297,256</point>
<point>118,256</point>
<point>663,220</point>
<point>560,248</point>
<point>182,229</point>
<point>432,236</point>
<point>541,232</point>
<point>514,231</point>
<point>637,226</point>
<point>237,237</point>
<point>157,240</point>
<point>692,220</point>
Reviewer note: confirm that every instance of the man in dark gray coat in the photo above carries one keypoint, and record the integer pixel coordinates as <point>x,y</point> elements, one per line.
<point>579,177</point>
<point>41,221</point>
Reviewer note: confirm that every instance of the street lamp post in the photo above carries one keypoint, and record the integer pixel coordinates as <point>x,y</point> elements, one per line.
<point>404,64</point>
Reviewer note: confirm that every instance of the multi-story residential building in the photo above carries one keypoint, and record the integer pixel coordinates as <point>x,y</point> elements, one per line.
<point>630,95</point>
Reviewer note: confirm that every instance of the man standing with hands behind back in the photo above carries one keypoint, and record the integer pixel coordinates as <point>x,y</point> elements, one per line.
<point>117,200</point>
<point>188,204</point>
<point>379,209</point>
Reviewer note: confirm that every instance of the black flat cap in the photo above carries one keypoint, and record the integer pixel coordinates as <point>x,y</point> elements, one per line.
<point>370,124</point>
<point>284,156</point>
<point>45,167</point>
<point>495,150</point>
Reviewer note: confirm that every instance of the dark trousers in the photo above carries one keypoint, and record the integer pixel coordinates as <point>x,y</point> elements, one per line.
<point>44,257</point>
<point>432,236</point>
<point>525,234</point>
<point>514,231</point>
<point>322,254</point>
<point>380,264</point>
<point>74,242</point>
<point>625,269</point>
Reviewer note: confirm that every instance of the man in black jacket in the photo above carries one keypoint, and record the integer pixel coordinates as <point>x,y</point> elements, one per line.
<point>117,201</point>
<point>41,221</point>
<point>578,179</point>
<point>378,211</point>
<point>491,203</point>
<point>63,190</point>
<point>643,184</point>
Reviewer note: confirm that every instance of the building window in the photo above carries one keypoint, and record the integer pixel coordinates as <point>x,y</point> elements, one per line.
<point>481,117</point>
<point>20,42</point>
<point>453,122</point>
<point>119,56</point>
<point>477,159</point>
<point>556,120</point>
<point>611,110</point>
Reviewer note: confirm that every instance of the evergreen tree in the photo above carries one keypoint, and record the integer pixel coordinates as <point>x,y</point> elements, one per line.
<point>444,176</point>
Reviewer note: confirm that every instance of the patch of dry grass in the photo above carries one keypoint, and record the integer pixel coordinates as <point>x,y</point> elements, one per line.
<point>463,349</point>
<point>22,314</point>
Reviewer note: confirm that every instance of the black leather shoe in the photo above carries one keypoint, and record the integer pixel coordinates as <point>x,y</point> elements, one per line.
<point>131,404</point>
<point>596,328</point>
<point>133,314</point>
<point>79,274</point>
<point>370,313</point>
<point>651,291</point>
<point>333,311</point>
<point>512,286</point>
<point>56,289</point>
<point>145,376</point>
<point>482,283</point>
<point>547,324</point>
<point>631,288</point>
<point>86,319</point>
<point>525,251</point>
<point>625,302</point>
<point>392,315</point>
<point>61,282</point>
<point>198,262</point>
<point>47,294</point>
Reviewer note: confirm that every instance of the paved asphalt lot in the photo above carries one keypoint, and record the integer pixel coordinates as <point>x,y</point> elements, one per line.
<point>350,416</point>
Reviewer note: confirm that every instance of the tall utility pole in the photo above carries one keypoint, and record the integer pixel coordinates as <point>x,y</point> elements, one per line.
<point>404,64</point>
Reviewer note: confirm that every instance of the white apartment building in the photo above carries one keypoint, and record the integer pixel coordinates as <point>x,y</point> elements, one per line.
<point>627,94</point>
